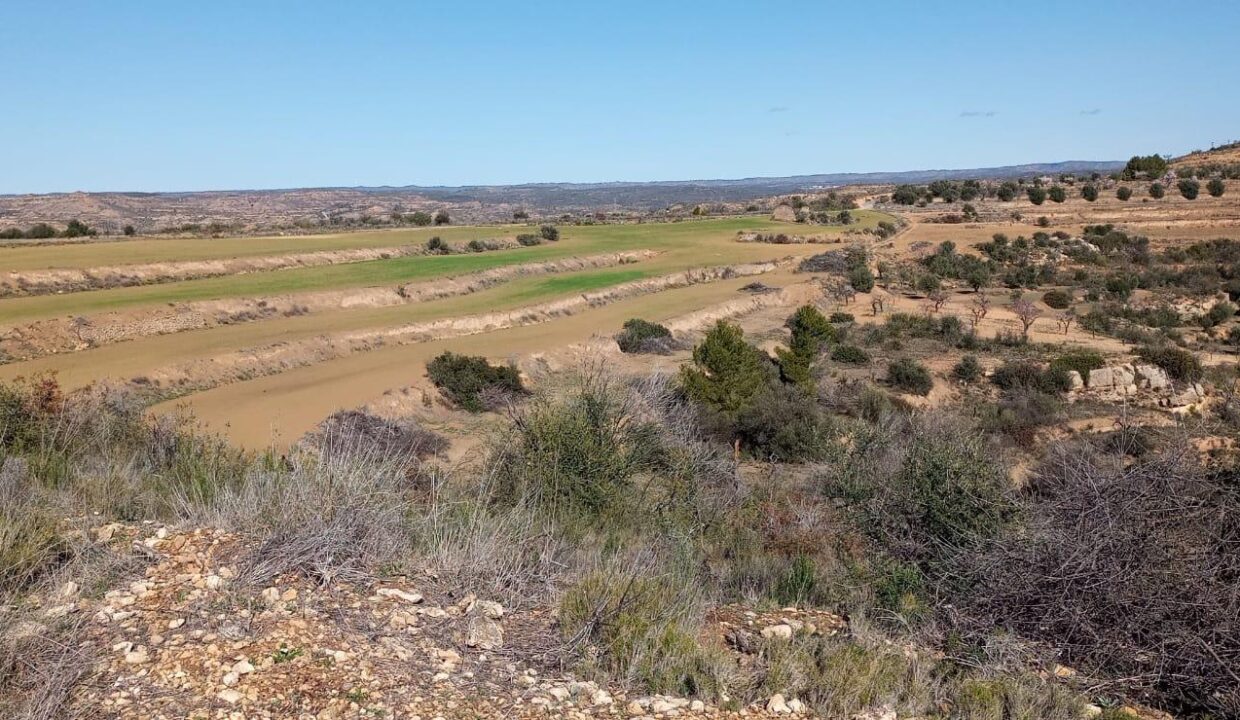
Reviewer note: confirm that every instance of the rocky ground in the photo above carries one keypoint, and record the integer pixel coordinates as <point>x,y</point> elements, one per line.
<point>198,636</point>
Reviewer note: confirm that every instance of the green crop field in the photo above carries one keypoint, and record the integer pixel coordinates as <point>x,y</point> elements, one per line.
<point>700,242</point>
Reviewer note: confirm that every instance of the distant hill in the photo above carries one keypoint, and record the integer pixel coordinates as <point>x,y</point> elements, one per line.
<point>1221,155</point>
<point>110,211</point>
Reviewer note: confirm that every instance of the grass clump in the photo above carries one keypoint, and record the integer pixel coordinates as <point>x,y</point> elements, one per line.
<point>642,626</point>
<point>473,383</point>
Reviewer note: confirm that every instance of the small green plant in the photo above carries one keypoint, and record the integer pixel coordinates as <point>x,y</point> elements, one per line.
<point>797,583</point>
<point>436,246</point>
<point>285,654</point>
<point>1124,193</point>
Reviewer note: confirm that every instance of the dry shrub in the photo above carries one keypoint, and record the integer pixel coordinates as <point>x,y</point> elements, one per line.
<point>30,537</point>
<point>329,518</point>
<point>353,433</point>
<point>41,665</point>
<point>1130,569</point>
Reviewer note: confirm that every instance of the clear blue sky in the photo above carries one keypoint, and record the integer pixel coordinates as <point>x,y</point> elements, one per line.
<point>172,95</point>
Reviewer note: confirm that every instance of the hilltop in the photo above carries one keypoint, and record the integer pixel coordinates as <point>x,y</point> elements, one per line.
<point>306,208</point>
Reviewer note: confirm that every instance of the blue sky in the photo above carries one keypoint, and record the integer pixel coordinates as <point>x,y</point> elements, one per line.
<point>214,95</point>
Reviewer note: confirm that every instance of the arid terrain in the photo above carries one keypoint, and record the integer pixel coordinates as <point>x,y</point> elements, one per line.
<point>670,475</point>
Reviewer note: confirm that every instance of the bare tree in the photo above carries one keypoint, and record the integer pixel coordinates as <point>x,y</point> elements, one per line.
<point>1064,321</point>
<point>979,308</point>
<point>1027,313</point>
<point>937,299</point>
<point>876,303</point>
<point>80,325</point>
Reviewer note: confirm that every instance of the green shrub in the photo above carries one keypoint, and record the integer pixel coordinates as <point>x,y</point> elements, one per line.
<point>910,376</point>
<point>1037,195</point>
<point>1124,193</point>
<point>727,372</point>
<point>529,239</point>
<point>476,245</point>
<point>850,354</point>
<point>442,218</point>
<point>1179,364</point>
<point>861,279</point>
<point>549,233</point>
<point>436,246</point>
<point>1219,312</point>
<point>1082,361</point>
<point>77,228</point>
<point>1021,413</point>
<point>1188,188</point>
<point>41,231</point>
<point>1089,192</point>
<point>1157,190</point>
<point>473,383</point>
<point>1058,299</point>
<point>578,454</point>
<point>811,332</point>
<point>641,336</point>
<point>1057,193</point>
<point>419,218</point>
<point>1030,375</point>
<point>927,487</point>
<point>968,370</point>
<point>841,317</point>
<point>1216,188</point>
<point>785,425</point>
